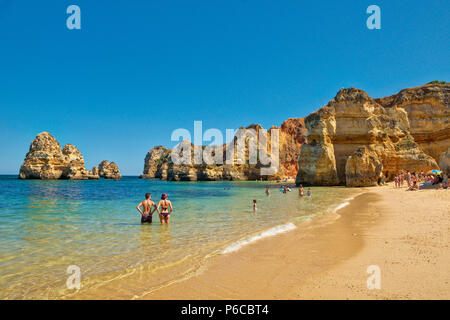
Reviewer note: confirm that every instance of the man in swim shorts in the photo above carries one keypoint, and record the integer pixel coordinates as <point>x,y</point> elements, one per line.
<point>147,206</point>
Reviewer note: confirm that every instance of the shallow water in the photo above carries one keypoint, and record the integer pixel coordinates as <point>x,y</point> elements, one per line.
<point>46,226</point>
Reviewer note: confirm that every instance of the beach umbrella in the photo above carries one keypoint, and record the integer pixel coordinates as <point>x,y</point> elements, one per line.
<point>434,172</point>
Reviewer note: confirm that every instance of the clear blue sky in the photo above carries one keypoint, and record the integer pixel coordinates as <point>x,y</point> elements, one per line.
<point>137,70</point>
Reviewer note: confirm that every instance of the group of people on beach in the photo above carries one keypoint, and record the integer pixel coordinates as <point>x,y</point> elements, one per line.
<point>164,209</point>
<point>416,180</point>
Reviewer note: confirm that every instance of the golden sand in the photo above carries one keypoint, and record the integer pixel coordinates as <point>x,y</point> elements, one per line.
<point>405,234</point>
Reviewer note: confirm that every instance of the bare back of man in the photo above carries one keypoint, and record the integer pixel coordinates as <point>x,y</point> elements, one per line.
<point>147,206</point>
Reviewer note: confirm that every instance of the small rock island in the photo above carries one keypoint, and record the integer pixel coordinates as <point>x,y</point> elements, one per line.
<point>46,160</point>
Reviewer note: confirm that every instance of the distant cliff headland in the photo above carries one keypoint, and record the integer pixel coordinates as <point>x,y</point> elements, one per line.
<point>47,161</point>
<point>351,141</point>
<point>292,134</point>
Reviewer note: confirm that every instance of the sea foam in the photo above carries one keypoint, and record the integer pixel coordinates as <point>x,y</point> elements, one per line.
<point>268,233</point>
<point>342,205</point>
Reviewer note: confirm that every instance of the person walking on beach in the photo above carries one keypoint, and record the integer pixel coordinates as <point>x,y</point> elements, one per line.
<point>308,193</point>
<point>166,209</point>
<point>301,191</point>
<point>408,178</point>
<point>147,206</point>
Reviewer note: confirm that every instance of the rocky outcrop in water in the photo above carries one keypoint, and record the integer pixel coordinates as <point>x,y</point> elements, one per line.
<point>44,160</point>
<point>109,170</point>
<point>354,138</point>
<point>47,161</point>
<point>292,134</point>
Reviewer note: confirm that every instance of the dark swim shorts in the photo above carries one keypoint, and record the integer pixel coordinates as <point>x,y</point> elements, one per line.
<point>146,218</point>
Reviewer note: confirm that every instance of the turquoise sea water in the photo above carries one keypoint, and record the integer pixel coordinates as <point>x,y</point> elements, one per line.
<point>46,226</point>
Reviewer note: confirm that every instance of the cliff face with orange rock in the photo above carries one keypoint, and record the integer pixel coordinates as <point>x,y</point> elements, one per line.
<point>158,162</point>
<point>355,139</point>
<point>428,113</point>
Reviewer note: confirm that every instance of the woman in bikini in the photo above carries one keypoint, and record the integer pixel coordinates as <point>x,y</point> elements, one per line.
<point>166,209</point>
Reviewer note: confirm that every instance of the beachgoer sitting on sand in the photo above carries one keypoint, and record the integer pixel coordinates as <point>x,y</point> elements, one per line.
<point>166,209</point>
<point>413,187</point>
<point>147,205</point>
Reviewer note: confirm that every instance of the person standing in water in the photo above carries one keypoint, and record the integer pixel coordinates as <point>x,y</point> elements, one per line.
<point>147,206</point>
<point>267,191</point>
<point>255,208</point>
<point>166,209</point>
<point>301,191</point>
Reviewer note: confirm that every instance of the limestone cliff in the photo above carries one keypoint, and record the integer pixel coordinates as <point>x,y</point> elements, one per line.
<point>354,135</point>
<point>444,161</point>
<point>428,109</point>
<point>47,161</point>
<point>292,134</point>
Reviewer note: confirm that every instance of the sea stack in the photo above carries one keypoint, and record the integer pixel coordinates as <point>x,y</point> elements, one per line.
<point>46,160</point>
<point>109,170</point>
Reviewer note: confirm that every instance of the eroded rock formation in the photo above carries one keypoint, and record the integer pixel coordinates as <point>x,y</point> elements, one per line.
<point>292,134</point>
<point>363,168</point>
<point>428,109</point>
<point>44,160</point>
<point>109,170</point>
<point>354,138</point>
<point>444,161</point>
<point>47,161</point>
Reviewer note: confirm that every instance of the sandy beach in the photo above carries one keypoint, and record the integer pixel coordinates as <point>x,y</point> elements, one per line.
<point>405,234</point>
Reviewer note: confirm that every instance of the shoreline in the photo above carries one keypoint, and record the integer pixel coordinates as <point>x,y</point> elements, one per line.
<point>113,288</point>
<point>330,261</point>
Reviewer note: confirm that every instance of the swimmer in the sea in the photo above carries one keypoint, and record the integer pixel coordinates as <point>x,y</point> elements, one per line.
<point>166,209</point>
<point>147,206</point>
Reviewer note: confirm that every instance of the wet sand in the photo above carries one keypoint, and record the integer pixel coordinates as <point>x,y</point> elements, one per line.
<point>406,234</point>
